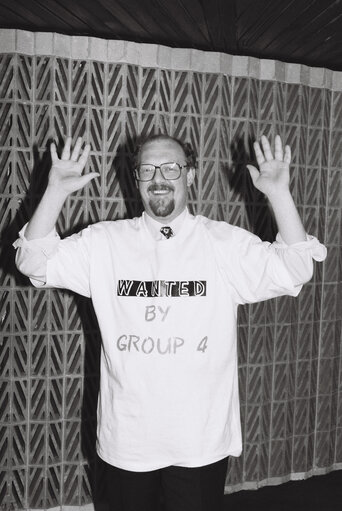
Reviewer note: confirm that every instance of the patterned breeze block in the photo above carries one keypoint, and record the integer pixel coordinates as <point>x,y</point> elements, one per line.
<point>289,349</point>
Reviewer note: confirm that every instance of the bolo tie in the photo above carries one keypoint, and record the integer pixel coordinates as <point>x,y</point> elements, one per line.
<point>167,232</point>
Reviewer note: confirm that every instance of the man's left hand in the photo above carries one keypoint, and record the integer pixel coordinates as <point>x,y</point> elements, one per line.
<point>273,176</point>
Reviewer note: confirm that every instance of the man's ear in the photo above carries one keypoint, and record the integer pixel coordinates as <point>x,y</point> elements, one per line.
<point>190,176</point>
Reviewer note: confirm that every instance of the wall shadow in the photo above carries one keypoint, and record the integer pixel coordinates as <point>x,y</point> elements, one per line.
<point>259,216</point>
<point>123,165</point>
<point>28,203</point>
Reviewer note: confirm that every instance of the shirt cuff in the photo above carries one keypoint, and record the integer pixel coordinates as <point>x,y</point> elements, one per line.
<point>317,249</point>
<point>46,245</point>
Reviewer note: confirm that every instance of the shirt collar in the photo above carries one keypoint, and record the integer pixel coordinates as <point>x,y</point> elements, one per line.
<point>154,226</point>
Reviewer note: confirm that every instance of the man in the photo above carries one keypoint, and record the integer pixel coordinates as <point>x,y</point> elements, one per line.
<point>165,288</point>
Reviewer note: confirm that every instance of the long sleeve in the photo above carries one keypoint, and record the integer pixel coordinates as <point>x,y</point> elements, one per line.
<point>298,258</point>
<point>260,270</point>
<point>52,262</point>
<point>32,256</point>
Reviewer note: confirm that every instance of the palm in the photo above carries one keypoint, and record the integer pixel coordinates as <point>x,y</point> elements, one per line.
<point>273,174</point>
<point>66,172</point>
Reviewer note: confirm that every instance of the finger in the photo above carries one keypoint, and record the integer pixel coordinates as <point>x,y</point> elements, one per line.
<point>266,148</point>
<point>53,153</point>
<point>76,151</point>
<point>66,149</point>
<point>84,180</point>
<point>74,184</point>
<point>287,155</point>
<point>254,173</point>
<point>258,153</point>
<point>278,149</point>
<point>84,156</point>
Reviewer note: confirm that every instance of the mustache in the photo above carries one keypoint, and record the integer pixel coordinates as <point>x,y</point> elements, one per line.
<point>156,187</point>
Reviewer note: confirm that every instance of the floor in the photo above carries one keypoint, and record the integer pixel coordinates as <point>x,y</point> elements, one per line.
<point>318,493</point>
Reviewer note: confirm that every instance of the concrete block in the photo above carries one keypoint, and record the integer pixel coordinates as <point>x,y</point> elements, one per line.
<point>98,49</point>
<point>149,55</point>
<point>267,69</point>
<point>197,60</point>
<point>116,51</point>
<point>132,53</point>
<point>7,40</point>
<point>328,76</point>
<point>304,75</point>
<point>279,71</point>
<point>226,63</point>
<point>80,47</point>
<point>181,59</point>
<point>25,42</point>
<point>212,62</point>
<point>337,80</point>
<point>240,66</point>
<point>254,67</point>
<point>316,77</point>
<point>44,43</point>
<point>292,73</point>
<point>62,45</point>
<point>164,57</point>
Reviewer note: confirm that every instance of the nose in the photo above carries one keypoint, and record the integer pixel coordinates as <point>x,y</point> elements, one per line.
<point>158,176</point>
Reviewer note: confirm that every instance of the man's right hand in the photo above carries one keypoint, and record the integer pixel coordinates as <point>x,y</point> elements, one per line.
<point>66,172</point>
<point>65,177</point>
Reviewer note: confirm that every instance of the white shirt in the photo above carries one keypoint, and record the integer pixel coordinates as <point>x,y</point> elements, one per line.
<point>167,314</point>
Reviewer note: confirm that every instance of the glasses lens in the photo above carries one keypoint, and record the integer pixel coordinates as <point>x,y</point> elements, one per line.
<point>145,172</point>
<point>170,170</point>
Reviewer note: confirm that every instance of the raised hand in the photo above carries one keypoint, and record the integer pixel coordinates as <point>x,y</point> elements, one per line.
<point>66,172</point>
<point>65,177</point>
<point>273,176</point>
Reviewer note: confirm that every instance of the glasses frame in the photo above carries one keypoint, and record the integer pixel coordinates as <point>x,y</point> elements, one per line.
<point>136,171</point>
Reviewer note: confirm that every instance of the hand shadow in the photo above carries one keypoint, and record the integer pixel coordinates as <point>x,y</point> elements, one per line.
<point>258,215</point>
<point>123,165</point>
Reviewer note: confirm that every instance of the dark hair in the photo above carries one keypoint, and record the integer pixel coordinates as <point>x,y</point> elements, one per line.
<point>188,151</point>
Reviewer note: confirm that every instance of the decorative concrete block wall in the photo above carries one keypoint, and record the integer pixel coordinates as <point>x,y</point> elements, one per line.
<point>111,92</point>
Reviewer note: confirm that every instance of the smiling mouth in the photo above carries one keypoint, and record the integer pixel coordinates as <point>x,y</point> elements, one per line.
<point>160,190</point>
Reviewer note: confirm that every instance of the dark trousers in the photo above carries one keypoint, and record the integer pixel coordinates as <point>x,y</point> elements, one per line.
<point>167,489</point>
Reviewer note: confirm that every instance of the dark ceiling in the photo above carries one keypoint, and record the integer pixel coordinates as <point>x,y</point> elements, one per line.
<point>304,31</point>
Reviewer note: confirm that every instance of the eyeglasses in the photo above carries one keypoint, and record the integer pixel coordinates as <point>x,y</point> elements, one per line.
<point>170,171</point>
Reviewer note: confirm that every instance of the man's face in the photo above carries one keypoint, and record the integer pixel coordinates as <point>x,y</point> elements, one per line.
<point>164,199</point>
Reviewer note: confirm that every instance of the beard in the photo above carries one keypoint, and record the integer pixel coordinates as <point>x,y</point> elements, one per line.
<point>162,206</point>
